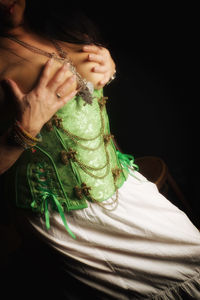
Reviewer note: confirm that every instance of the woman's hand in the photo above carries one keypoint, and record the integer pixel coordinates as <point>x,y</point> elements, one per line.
<point>106,65</point>
<point>35,108</point>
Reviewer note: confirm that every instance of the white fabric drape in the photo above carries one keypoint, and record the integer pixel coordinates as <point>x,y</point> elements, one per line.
<point>145,249</point>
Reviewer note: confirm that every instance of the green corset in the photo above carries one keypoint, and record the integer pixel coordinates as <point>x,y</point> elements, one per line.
<point>76,162</point>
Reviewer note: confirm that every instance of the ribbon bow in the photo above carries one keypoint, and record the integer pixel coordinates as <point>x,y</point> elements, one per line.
<point>127,161</point>
<point>48,196</point>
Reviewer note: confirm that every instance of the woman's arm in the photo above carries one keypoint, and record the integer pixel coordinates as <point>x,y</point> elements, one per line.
<point>8,154</point>
<point>36,108</point>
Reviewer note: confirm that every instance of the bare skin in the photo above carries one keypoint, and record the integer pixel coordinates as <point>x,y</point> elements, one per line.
<point>33,80</point>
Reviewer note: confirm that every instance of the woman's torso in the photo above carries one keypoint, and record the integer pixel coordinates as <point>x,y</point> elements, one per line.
<point>95,166</point>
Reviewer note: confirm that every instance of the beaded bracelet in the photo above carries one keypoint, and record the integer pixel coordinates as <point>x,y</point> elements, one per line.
<point>25,134</point>
<point>19,136</point>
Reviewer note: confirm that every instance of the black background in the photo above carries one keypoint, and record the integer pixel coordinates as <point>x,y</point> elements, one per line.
<point>152,107</point>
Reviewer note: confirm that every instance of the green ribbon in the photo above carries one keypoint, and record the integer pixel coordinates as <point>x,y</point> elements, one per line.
<point>50,196</point>
<point>127,161</point>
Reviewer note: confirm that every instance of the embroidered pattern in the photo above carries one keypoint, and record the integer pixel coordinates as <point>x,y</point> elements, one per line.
<point>67,176</point>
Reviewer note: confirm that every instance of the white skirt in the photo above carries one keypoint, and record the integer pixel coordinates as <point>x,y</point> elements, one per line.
<point>144,249</point>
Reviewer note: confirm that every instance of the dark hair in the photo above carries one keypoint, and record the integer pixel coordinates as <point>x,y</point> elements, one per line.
<point>61,20</point>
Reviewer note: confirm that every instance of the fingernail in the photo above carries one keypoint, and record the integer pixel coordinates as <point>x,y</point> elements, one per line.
<point>66,65</point>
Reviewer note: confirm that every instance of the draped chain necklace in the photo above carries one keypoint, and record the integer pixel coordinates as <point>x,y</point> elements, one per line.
<point>85,91</point>
<point>85,87</point>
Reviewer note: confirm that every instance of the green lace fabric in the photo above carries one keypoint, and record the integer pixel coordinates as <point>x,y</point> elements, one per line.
<point>76,162</point>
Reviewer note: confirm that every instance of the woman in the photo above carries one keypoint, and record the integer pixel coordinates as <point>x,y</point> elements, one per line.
<point>112,229</point>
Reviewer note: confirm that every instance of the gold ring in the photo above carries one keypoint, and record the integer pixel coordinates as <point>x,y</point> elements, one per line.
<point>58,95</point>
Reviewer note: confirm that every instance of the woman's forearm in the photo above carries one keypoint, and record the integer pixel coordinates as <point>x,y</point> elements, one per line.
<point>9,153</point>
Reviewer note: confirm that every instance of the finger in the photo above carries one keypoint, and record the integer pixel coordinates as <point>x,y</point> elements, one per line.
<point>44,78</point>
<point>64,88</point>
<point>15,89</point>
<point>91,48</point>
<point>104,81</point>
<point>96,58</point>
<point>100,69</point>
<point>63,101</point>
<point>58,78</point>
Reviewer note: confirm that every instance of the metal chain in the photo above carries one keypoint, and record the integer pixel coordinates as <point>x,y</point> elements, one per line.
<point>85,147</point>
<point>75,138</point>
<point>86,91</point>
<point>86,139</point>
<point>104,205</point>
<point>61,52</point>
<point>35,49</point>
<point>85,88</point>
<point>85,167</point>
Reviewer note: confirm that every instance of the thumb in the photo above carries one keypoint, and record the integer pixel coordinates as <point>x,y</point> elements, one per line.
<point>14,89</point>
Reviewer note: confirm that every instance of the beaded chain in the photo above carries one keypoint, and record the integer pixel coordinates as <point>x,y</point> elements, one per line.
<point>20,137</point>
<point>85,87</point>
<point>114,201</point>
<point>68,154</point>
<point>58,122</point>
